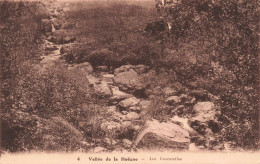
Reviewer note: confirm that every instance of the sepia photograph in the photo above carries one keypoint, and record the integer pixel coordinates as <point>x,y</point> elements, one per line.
<point>129,81</point>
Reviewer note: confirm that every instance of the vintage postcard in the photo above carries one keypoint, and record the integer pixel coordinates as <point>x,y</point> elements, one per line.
<point>129,81</point>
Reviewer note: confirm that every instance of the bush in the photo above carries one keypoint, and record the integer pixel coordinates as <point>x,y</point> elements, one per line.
<point>41,96</point>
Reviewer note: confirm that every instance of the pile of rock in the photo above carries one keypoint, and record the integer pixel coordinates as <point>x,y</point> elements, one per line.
<point>191,121</point>
<point>197,122</point>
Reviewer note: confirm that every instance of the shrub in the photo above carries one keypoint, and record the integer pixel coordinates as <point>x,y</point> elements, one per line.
<point>41,96</point>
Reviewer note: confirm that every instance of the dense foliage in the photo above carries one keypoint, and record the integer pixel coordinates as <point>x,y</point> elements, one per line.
<point>36,104</point>
<point>219,41</point>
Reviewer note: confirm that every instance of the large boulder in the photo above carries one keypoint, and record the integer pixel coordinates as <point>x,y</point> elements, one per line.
<point>162,136</point>
<point>103,89</point>
<point>131,116</point>
<point>129,81</point>
<point>93,80</point>
<point>85,67</point>
<point>185,124</point>
<point>119,95</point>
<point>132,101</point>
<point>205,121</point>
<point>140,69</point>
<point>205,111</point>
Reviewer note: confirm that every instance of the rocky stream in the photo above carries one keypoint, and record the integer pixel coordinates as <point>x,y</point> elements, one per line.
<point>193,123</point>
